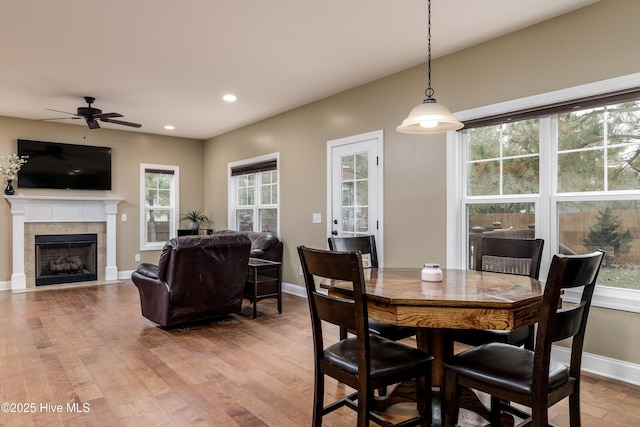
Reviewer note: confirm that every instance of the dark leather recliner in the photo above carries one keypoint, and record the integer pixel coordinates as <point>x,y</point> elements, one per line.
<point>265,245</point>
<point>196,278</point>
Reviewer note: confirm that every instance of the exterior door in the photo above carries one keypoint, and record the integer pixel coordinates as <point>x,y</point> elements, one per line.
<point>355,187</point>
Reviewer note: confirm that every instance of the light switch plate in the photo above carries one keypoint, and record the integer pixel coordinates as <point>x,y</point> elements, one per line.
<point>317,218</point>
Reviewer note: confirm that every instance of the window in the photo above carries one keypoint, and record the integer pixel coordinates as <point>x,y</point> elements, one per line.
<point>253,193</point>
<point>159,202</point>
<point>568,174</point>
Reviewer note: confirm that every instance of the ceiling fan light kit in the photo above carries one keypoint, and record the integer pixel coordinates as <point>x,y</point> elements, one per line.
<point>91,115</point>
<point>429,117</point>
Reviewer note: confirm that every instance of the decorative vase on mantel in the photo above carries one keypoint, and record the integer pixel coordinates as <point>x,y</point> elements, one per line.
<point>9,191</point>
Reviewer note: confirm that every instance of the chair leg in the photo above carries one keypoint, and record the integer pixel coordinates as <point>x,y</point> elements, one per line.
<point>574,408</point>
<point>365,401</point>
<point>451,400</point>
<point>318,400</point>
<point>495,411</point>
<point>423,388</point>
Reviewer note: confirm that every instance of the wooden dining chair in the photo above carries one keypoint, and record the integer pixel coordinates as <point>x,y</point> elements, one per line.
<point>510,256</point>
<point>530,378</point>
<point>364,362</point>
<point>366,245</point>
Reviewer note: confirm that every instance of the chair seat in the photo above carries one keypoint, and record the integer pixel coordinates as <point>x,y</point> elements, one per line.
<point>392,332</point>
<point>475,337</point>
<point>388,358</point>
<point>504,366</point>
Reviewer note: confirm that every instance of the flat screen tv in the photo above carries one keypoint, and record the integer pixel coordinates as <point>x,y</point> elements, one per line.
<point>64,166</point>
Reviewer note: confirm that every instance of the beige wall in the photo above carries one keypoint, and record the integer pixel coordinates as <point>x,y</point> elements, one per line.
<point>129,149</point>
<point>585,46</point>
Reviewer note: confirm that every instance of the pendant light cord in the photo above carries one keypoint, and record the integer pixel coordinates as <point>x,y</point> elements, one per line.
<point>429,92</point>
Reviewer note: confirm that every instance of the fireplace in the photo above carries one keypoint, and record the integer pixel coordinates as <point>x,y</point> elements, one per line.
<point>55,215</point>
<point>65,258</point>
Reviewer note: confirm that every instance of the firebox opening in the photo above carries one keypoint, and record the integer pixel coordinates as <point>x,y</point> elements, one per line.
<point>66,258</point>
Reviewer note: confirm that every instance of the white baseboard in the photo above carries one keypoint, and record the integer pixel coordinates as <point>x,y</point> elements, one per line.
<point>299,291</point>
<point>5,286</point>
<point>603,366</point>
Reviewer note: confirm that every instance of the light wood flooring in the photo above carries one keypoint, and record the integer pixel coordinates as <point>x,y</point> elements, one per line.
<point>86,356</point>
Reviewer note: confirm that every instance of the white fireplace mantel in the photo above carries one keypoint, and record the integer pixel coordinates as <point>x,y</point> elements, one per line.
<point>26,209</point>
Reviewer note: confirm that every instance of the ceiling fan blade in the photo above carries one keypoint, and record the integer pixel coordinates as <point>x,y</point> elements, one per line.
<point>63,112</point>
<point>93,124</point>
<point>120,122</point>
<point>60,118</point>
<point>107,115</point>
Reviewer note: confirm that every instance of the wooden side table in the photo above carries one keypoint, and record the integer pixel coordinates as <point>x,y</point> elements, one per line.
<point>260,285</point>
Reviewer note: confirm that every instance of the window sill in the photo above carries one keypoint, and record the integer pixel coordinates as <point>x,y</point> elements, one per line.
<point>608,297</point>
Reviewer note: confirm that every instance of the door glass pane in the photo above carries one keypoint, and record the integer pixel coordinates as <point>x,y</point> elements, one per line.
<point>355,194</point>
<point>613,226</point>
<point>348,219</point>
<point>513,220</point>
<point>362,220</point>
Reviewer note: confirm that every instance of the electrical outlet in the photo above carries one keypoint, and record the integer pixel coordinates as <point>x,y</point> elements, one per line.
<point>137,257</point>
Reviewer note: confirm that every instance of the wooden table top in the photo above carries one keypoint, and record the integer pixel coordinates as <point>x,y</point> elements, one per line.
<point>464,298</point>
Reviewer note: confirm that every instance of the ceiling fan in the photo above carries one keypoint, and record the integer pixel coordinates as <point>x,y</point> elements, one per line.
<point>92,115</point>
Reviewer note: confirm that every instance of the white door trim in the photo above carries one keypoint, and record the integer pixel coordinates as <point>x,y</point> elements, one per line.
<point>378,136</point>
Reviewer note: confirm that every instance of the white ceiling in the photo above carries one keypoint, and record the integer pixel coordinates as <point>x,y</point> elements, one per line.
<point>161,62</point>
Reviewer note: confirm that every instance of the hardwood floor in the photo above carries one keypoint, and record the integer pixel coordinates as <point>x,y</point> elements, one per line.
<point>86,356</point>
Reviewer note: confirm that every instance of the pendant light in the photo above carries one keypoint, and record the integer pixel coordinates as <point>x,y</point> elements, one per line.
<point>429,117</point>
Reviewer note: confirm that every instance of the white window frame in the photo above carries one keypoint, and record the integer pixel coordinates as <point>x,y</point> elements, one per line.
<point>231,219</point>
<point>174,208</point>
<point>546,222</point>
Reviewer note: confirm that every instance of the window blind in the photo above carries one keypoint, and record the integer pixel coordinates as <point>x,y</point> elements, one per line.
<point>558,107</point>
<point>268,165</point>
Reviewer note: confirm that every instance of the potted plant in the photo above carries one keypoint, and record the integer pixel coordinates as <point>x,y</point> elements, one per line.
<point>196,217</point>
<point>10,170</point>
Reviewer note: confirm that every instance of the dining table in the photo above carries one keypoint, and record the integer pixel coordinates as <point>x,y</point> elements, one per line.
<point>464,299</point>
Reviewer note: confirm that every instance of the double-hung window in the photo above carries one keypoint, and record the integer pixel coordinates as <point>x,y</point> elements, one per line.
<point>254,195</point>
<point>567,172</point>
<point>159,205</point>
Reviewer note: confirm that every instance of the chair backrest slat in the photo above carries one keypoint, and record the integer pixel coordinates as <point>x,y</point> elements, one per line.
<point>511,256</point>
<point>366,245</point>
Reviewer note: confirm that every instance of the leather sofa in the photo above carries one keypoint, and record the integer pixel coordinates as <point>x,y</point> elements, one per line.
<point>197,278</point>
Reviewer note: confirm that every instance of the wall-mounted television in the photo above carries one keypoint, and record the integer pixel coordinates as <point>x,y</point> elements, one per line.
<point>64,166</point>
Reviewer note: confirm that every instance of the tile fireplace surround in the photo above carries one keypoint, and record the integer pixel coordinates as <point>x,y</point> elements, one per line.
<point>61,215</point>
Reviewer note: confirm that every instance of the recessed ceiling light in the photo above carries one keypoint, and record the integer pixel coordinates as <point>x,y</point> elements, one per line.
<point>230,98</point>
<point>169,127</point>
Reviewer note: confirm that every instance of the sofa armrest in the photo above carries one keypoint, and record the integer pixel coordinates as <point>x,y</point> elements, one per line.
<point>148,270</point>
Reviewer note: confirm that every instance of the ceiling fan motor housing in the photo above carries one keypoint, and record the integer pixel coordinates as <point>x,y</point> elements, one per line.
<point>88,111</point>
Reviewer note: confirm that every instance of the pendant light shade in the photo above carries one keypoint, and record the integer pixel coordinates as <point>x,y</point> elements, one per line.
<point>429,117</point>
